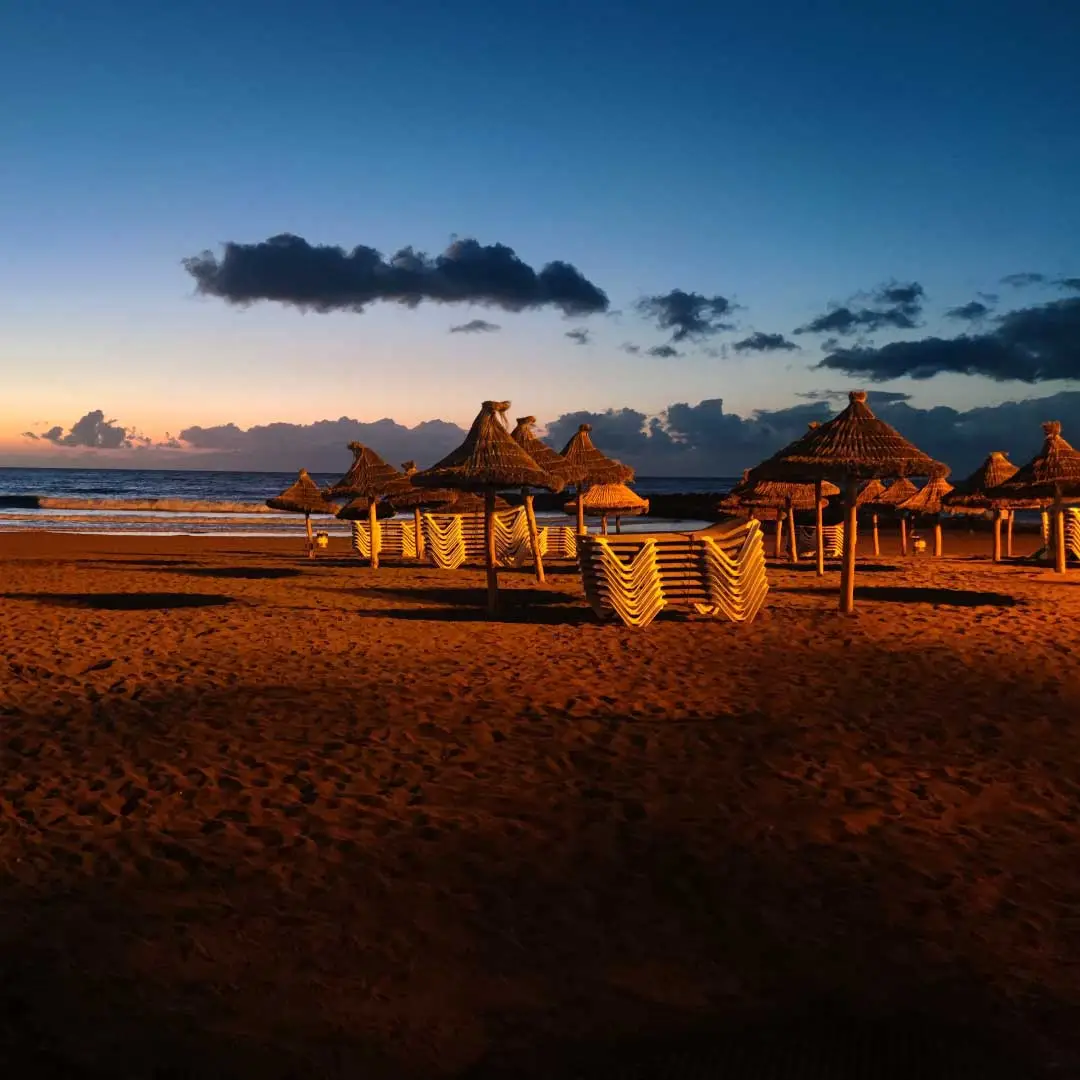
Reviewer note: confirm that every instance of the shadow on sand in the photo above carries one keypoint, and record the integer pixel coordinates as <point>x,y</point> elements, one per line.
<point>914,595</point>
<point>125,601</point>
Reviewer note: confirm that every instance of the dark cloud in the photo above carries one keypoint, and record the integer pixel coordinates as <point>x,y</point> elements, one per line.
<point>1070,283</point>
<point>1033,344</point>
<point>475,326</point>
<point>874,397</point>
<point>578,337</point>
<point>320,446</point>
<point>663,352</point>
<point>990,298</point>
<point>289,270</point>
<point>759,342</point>
<point>705,440</point>
<point>1020,281</point>
<point>896,306</point>
<point>973,311</point>
<point>633,350</point>
<point>92,431</point>
<point>688,315</point>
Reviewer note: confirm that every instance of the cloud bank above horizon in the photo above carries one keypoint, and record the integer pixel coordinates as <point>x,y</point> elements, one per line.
<point>682,440</point>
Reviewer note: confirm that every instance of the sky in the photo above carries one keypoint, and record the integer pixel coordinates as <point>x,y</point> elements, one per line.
<point>750,191</point>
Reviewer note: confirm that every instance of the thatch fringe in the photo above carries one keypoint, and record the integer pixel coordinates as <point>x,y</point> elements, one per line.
<point>1054,470</point>
<point>549,459</point>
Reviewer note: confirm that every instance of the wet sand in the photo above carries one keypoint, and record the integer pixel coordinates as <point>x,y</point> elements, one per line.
<point>261,816</point>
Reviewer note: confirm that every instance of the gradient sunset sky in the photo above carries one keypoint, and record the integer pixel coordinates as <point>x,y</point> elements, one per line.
<point>787,156</point>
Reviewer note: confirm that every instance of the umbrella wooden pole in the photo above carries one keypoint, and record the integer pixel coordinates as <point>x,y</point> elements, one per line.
<point>580,510</point>
<point>489,546</point>
<point>418,525</point>
<point>534,537</point>
<point>851,525</point>
<point>1059,534</point>
<point>778,542</point>
<point>820,529</point>
<point>997,535</point>
<point>618,524</point>
<point>791,534</point>
<point>1045,519</point>
<point>903,533</point>
<point>373,531</point>
<point>1009,533</point>
<point>937,536</point>
<point>877,544</point>
<point>603,524</point>
<point>310,537</point>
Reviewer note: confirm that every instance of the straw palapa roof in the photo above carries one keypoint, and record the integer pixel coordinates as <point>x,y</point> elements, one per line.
<point>590,465</point>
<point>928,499</point>
<point>488,458</point>
<point>776,494</point>
<point>405,495</point>
<point>871,492</point>
<point>302,497</point>
<point>549,459</point>
<point>1054,469</point>
<point>897,492</point>
<point>614,499</point>
<point>359,509</point>
<point>971,493</point>
<point>853,444</point>
<point>369,476</point>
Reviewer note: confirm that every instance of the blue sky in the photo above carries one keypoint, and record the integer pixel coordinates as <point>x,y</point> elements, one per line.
<point>783,155</point>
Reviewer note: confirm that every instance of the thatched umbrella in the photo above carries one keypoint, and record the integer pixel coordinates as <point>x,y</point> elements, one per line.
<point>870,497</point>
<point>369,477</point>
<point>487,460</point>
<point>553,463</point>
<point>785,497</point>
<point>853,446</point>
<point>591,467</point>
<point>928,500</point>
<point>610,500</point>
<point>405,495</point>
<point>970,495</point>
<point>303,497</point>
<point>1053,473</point>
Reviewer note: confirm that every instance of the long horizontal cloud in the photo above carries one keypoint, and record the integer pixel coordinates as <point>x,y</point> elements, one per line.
<point>896,306</point>
<point>705,440</point>
<point>681,440</point>
<point>688,315</point>
<point>289,270</point>
<point>1033,344</point>
<point>973,311</point>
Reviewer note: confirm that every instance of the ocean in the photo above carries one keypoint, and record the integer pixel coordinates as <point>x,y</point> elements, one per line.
<point>18,487</point>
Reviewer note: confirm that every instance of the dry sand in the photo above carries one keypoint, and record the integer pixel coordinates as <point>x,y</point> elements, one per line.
<point>261,816</point>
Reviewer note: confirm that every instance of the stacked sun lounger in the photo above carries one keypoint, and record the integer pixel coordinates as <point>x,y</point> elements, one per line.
<point>556,542</point>
<point>714,572</point>
<point>452,539</point>
<point>833,535</point>
<point>395,538</point>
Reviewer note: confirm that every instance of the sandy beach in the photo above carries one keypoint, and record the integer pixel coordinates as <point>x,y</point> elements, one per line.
<point>262,816</point>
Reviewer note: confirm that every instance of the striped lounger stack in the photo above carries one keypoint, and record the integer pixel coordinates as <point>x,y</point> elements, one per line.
<point>832,534</point>
<point>715,573</point>
<point>395,538</point>
<point>452,539</point>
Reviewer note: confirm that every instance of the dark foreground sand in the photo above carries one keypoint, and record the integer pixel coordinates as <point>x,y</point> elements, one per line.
<point>265,817</point>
